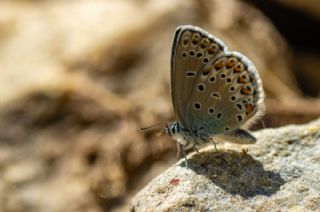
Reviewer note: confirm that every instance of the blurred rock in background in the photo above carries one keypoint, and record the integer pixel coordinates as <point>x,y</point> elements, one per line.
<point>298,22</point>
<point>78,78</point>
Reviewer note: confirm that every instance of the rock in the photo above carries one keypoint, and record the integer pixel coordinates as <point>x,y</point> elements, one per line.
<point>280,172</point>
<point>309,6</point>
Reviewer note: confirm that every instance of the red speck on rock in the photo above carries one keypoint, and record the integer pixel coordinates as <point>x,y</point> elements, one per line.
<point>174,181</point>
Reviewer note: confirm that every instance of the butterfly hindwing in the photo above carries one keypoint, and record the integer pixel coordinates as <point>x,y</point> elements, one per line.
<point>231,95</point>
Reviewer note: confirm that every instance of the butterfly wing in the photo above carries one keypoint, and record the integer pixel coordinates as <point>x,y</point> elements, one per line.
<point>213,90</point>
<point>227,94</point>
<point>192,49</point>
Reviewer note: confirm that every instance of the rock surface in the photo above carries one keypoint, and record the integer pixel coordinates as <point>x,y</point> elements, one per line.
<point>280,172</point>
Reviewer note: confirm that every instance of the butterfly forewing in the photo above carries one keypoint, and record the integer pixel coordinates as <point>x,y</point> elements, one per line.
<point>192,50</point>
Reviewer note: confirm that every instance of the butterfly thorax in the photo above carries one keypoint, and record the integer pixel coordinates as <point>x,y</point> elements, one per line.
<point>186,136</point>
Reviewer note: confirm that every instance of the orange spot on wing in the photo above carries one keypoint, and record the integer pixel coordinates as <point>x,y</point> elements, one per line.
<point>242,79</point>
<point>204,43</point>
<point>245,90</point>
<point>231,63</point>
<point>212,49</point>
<point>219,65</point>
<point>249,108</point>
<point>237,69</point>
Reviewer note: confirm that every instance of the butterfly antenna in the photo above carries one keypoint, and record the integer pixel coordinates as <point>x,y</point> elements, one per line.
<point>163,123</point>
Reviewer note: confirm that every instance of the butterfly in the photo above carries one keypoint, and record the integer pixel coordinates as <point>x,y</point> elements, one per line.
<point>214,91</point>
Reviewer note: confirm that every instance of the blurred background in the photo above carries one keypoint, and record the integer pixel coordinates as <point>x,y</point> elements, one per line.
<point>78,78</point>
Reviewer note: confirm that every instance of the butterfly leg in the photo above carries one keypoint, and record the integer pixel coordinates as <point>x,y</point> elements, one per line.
<point>185,158</point>
<point>178,150</point>
<point>185,155</point>
<point>214,143</point>
<point>194,146</point>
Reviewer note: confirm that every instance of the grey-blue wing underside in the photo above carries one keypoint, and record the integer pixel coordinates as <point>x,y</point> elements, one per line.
<point>213,90</point>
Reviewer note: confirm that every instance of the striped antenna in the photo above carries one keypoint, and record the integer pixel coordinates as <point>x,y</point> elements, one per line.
<point>163,123</point>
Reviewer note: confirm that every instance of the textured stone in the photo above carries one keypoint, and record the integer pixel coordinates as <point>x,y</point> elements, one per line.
<point>280,172</point>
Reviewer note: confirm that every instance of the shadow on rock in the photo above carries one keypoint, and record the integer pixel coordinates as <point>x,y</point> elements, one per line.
<point>236,173</point>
